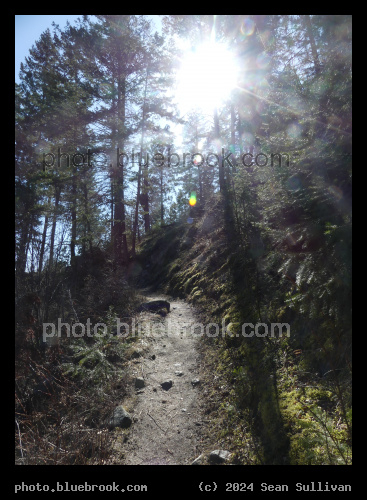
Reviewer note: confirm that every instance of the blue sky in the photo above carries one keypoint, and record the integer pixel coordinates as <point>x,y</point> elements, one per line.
<point>29,28</point>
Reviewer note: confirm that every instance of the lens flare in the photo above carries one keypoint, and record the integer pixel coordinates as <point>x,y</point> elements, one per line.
<point>192,200</point>
<point>247,27</point>
<point>335,191</point>
<point>294,130</point>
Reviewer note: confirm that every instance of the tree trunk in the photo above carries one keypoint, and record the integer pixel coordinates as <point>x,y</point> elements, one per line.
<point>119,227</point>
<point>217,136</point>
<point>73,217</point>
<point>53,228</point>
<point>136,214</point>
<point>315,56</point>
<point>112,201</point>
<point>43,243</point>
<point>145,198</point>
<point>161,187</point>
<point>233,135</point>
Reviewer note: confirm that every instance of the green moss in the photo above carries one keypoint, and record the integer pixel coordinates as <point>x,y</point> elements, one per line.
<point>173,269</point>
<point>196,296</point>
<point>191,281</point>
<point>314,436</point>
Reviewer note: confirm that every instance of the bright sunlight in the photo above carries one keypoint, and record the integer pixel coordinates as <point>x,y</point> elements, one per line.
<point>206,77</point>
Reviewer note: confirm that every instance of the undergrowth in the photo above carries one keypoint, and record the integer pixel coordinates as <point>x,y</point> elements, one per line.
<point>67,389</point>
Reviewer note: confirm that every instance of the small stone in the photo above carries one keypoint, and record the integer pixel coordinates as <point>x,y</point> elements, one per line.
<point>167,385</point>
<point>155,306</point>
<point>179,374</point>
<point>139,383</point>
<point>219,456</point>
<point>152,357</point>
<point>195,382</point>
<point>120,418</point>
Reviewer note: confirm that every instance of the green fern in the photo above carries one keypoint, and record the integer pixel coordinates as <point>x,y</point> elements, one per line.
<point>92,362</point>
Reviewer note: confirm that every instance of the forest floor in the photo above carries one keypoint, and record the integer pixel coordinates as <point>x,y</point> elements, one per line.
<point>169,427</point>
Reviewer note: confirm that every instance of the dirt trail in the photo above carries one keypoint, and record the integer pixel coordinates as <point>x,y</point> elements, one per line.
<point>167,424</point>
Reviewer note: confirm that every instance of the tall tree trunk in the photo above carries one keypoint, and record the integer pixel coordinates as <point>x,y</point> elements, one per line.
<point>119,227</point>
<point>112,201</point>
<point>54,221</point>
<point>315,56</point>
<point>73,217</point>
<point>202,201</point>
<point>217,136</point>
<point>43,243</point>
<point>233,135</point>
<point>161,189</point>
<point>122,117</point>
<point>320,125</point>
<point>87,234</point>
<point>22,249</point>
<point>145,198</point>
<point>136,214</point>
<point>145,185</point>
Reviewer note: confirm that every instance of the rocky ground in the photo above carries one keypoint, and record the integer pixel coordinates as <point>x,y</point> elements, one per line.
<point>168,424</point>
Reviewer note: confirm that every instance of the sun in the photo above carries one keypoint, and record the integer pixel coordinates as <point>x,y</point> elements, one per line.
<point>206,77</point>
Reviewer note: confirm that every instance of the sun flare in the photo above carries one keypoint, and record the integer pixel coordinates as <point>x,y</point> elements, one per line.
<point>206,77</point>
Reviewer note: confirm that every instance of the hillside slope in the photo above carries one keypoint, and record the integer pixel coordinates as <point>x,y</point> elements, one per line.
<point>271,405</point>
